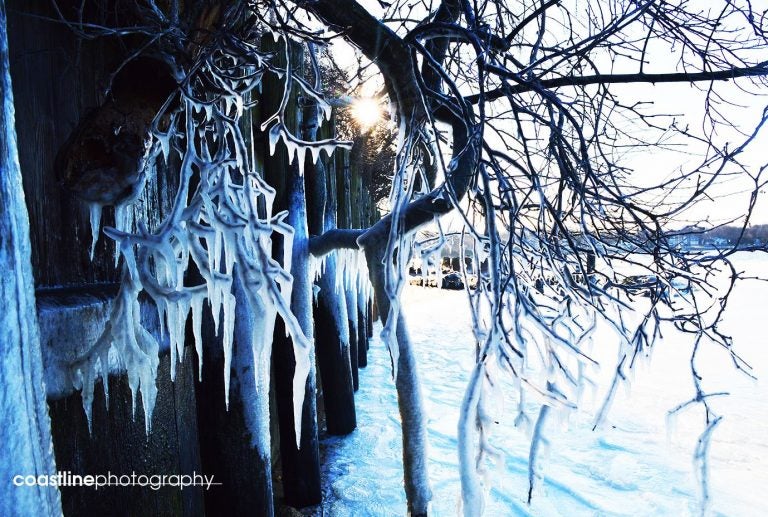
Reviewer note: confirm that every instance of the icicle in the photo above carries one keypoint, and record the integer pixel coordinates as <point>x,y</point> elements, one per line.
<point>177,317</point>
<point>161,307</point>
<point>165,144</point>
<point>301,372</point>
<point>171,314</point>
<point>104,362</point>
<point>274,137</point>
<point>121,224</point>
<point>181,324</point>
<point>229,329</point>
<point>86,382</point>
<point>95,211</point>
<point>315,152</point>
<point>301,158</point>
<point>147,372</point>
<point>701,464</point>
<point>197,320</point>
<point>389,336</point>
<point>316,266</point>
<point>230,251</point>
<point>326,110</point>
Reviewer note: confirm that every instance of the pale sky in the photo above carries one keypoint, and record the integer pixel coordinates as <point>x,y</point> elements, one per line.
<point>730,195</point>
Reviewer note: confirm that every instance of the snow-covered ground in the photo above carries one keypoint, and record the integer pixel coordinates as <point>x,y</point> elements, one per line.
<point>636,463</point>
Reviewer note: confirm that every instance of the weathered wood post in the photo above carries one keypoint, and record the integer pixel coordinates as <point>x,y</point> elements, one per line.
<point>359,219</point>
<point>235,437</point>
<point>370,320</point>
<point>232,446</point>
<point>300,465</point>
<point>25,428</point>
<point>345,203</point>
<point>330,314</point>
<point>57,80</point>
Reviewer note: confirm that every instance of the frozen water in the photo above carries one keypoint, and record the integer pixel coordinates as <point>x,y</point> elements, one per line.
<point>94,210</point>
<point>631,465</point>
<point>222,220</point>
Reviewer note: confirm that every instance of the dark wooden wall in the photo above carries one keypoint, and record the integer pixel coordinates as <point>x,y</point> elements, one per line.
<point>57,80</point>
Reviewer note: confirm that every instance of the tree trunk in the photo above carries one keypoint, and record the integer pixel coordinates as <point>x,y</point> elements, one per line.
<point>25,433</point>
<point>409,399</point>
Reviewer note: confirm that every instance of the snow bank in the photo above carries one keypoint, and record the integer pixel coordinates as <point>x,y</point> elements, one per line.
<point>634,464</point>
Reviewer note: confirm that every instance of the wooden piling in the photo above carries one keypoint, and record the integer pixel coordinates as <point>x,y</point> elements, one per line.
<point>300,466</point>
<point>331,323</point>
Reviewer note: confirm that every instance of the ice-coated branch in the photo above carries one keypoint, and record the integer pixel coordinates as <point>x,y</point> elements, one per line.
<point>337,238</point>
<point>701,463</point>
<point>221,221</point>
<point>522,85</point>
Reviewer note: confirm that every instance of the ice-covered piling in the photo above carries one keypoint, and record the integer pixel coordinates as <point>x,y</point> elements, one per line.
<point>330,310</point>
<point>299,460</point>
<point>25,433</point>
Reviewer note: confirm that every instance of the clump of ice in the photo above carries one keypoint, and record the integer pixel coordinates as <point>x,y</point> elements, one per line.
<point>222,222</point>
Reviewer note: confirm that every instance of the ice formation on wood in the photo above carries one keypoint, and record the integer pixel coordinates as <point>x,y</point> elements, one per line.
<point>219,229</point>
<point>298,148</point>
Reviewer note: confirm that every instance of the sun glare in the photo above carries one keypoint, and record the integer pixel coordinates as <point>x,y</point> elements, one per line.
<point>366,112</point>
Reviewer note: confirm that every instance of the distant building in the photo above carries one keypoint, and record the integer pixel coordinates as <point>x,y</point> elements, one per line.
<point>691,236</point>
